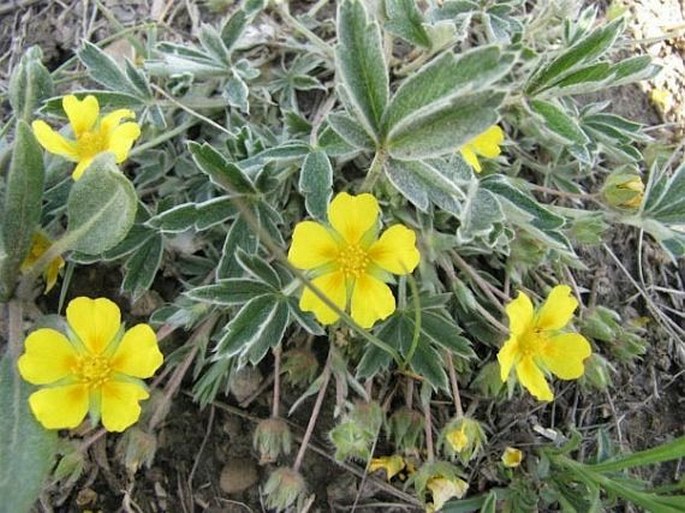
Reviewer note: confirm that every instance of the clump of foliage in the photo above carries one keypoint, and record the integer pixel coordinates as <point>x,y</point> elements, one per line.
<point>397,185</point>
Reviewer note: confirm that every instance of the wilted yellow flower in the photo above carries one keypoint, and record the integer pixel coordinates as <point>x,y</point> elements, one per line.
<point>94,135</point>
<point>96,368</point>
<point>349,262</point>
<point>624,190</point>
<point>39,246</point>
<point>486,145</point>
<point>392,465</point>
<point>443,489</point>
<point>661,98</point>
<point>512,457</point>
<point>536,342</point>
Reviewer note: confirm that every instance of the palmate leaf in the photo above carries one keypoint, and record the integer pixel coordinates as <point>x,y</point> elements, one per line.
<point>361,64</point>
<point>405,20</point>
<point>256,328</point>
<point>559,123</point>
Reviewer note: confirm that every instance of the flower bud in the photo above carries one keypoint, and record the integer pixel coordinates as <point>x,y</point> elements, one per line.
<point>405,429</point>
<point>355,435</point>
<point>301,366</point>
<point>624,190</point>
<point>283,488</point>
<point>137,448</point>
<point>462,437</point>
<point>272,438</point>
<point>512,457</point>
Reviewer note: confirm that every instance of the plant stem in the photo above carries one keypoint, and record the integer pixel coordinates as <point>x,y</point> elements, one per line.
<point>325,377</point>
<point>277,381</point>
<point>374,171</point>
<point>455,384</point>
<point>14,327</point>
<point>428,428</point>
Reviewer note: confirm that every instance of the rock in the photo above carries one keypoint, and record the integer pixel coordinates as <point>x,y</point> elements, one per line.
<point>238,474</point>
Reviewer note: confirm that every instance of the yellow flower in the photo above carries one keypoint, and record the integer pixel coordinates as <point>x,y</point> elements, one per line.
<point>486,145</point>
<point>349,262</point>
<point>512,457</point>
<point>457,438</point>
<point>392,465</point>
<point>93,135</point>
<point>39,246</point>
<point>443,489</point>
<point>96,368</point>
<point>536,342</point>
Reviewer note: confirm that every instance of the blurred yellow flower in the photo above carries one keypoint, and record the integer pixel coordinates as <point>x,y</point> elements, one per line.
<point>443,489</point>
<point>93,134</point>
<point>39,246</point>
<point>349,262</point>
<point>512,457</point>
<point>392,465</point>
<point>457,438</point>
<point>96,368</point>
<point>486,145</point>
<point>536,343</point>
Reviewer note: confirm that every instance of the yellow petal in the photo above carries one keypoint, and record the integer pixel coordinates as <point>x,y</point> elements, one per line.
<point>487,144</point>
<point>512,457</point>
<point>82,114</point>
<point>81,167</point>
<point>564,354</point>
<point>443,489</point>
<point>120,406</point>
<point>111,121</point>
<point>331,284</point>
<point>52,272</point>
<point>372,300</point>
<point>457,439</point>
<point>312,246</point>
<point>532,378</point>
<point>138,354</point>
<point>520,313</point>
<point>507,357</point>
<point>48,357</point>
<point>122,139</point>
<point>471,158</point>
<point>557,311</point>
<point>94,321</point>
<point>60,407</point>
<point>396,250</point>
<point>54,142</point>
<point>392,465</point>
<point>353,216</point>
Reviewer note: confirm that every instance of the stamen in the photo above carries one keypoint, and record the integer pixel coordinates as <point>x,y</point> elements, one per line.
<point>353,261</point>
<point>93,371</point>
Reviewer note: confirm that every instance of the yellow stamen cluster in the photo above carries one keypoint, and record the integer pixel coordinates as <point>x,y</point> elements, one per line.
<point>93,371</point>
<point>353,260</point>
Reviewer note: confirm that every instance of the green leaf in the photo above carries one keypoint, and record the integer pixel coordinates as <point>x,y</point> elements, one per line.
<point>233,29</point>
<point>667,451</point>
<point>232,291</point>
<point>213,212</point>
<point>352,132</point>
<point>212,42</point>
<point>590,47</point>
<point>423,182</point>
<point>175,220</point>
<point>104,70</point>
<point>239,235</point>
<point>236,92</point>
<point>406,21</point>
<point>480,212</point>
<point>30,84</point>
<point>316,183</point>
<point>224,174</point>
<point>259,325</point>
<point>436,84</point>
<point>142,266</point>
<point>259,268</point>
<point>101,207</point>
<point>540,216</point>
<point>23,205</point>
<point>441,331</point>
<point>361,64</point>
<point>305,319</point>
<point>665,199</point>
<point>446,128</point>
<point>559,123</point>
<point>428,363</point>
<point>27,450</point>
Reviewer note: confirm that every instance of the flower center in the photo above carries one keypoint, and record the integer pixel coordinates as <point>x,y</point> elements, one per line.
<point>90,144</point>
<point>93,371</point>
<point>533,342</point>
<point>353,261</point>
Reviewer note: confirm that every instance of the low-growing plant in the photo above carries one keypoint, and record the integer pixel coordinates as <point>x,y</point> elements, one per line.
<point>377,201</point>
